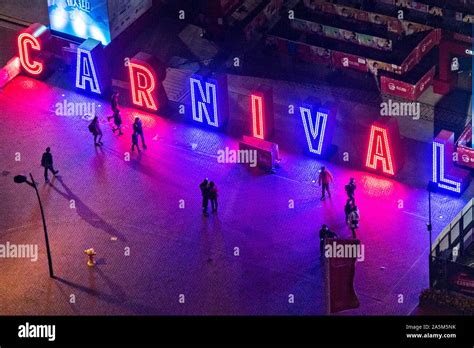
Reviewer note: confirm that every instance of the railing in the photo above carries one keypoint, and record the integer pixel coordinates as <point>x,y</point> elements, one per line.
<point>446,271</point>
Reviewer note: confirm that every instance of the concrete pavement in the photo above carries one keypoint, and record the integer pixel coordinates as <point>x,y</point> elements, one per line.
<point>118,206</point>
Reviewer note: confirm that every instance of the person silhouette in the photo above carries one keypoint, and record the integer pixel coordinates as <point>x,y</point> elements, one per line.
<point>47,163</point>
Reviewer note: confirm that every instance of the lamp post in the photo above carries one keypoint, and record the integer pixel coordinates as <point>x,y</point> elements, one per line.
<point>430,228</point>
<point>20,179</point>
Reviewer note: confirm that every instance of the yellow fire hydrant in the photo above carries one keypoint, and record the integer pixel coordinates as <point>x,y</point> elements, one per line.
<point>90,256</point>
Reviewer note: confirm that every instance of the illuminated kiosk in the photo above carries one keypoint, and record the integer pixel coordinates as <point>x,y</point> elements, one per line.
<point>102,20</point>
<point>262,125</point>
<point>446,176</point>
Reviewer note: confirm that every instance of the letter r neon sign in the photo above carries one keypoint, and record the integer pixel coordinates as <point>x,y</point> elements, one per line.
<point>143,84</point>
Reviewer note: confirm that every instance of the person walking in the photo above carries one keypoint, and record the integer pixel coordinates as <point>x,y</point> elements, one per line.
<point>354,217</point>
<point>135,142</point>
<point>114,101</point>
<point>117,122</point>
<point>350,190</point>
<point>47,163</point>
<point>138,128</point>
<point>204,186</point>
<point>113,104</point>
<point>325,177</point>
<point>213,196</point>
<point>94,128</point>
<point>324,233</point>
<point>347,210</point>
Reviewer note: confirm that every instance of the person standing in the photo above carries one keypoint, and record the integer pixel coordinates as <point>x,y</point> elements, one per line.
<point>350,190</point>
<point>213,195</point>
<point>94,128</point>
<point>324,233</point>
<point>204,186</point>
<point>47,163</point>
<point>354,217</point>
<point>117,122</point>
<point>135,142</point>
<point>325,177</point>
<point>138,128</point>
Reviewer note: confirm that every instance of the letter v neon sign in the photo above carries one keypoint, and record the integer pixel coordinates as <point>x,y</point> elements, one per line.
<point>314,129</point>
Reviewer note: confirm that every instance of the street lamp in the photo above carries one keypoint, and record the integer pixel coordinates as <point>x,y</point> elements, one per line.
<point>20,179</point>
<point>429,226</point>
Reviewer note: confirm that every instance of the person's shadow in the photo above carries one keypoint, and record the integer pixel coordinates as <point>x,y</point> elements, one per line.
<point>85,212</point>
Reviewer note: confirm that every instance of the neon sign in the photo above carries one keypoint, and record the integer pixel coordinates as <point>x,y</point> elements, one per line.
<point>26,40</point>
<point>445,176</point>
<point>30,44</point>
<point>209,102</point>
<point>380,150</point>
<point>257,116</point>
<point>261,104</point>
<point>89,59</point>
<point>318,123</point>
<point>145,86</point>
<point>85,71</point>
<point>142,83</point>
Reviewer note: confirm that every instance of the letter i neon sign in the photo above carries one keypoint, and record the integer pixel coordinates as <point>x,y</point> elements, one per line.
<point>257,116</point>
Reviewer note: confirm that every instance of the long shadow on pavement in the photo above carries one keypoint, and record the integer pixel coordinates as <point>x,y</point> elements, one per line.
<point>86,213</point>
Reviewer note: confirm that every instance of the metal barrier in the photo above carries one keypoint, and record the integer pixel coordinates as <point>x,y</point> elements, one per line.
<point>446,271</point>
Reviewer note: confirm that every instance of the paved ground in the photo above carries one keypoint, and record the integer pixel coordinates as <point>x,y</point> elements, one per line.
<point>135,204</point>
<point>173,251</point>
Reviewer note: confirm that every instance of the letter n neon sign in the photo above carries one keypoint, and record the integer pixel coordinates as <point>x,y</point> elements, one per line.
<point>209,102</point>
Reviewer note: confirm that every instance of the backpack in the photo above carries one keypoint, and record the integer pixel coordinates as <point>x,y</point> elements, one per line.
<point>355,219</point>
<point>91,128</point>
